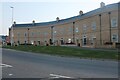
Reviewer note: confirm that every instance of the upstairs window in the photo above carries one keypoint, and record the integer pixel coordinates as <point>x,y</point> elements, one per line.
<point>70,30</point>
<point>25,34</point>
<point>84,27</point>
<point>114,22</point>
<point>76,30</point>
<point>93,25</point>
<point>32,34</point>
<point>18,34</point>
<point>38,34</point>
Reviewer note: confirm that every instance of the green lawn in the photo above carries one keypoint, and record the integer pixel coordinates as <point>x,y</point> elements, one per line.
<point>67,51</point>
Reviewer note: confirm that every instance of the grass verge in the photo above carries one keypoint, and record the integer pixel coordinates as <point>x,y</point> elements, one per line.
<point>67,51</point>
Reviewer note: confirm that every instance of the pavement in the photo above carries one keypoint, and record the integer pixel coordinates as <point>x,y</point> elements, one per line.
<point>19,64</point>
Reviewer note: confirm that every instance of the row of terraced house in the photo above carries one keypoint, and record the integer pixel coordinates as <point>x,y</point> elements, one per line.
<point>96,29</point>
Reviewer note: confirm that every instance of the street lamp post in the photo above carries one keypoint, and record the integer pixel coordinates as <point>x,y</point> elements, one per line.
<point>12,27</point>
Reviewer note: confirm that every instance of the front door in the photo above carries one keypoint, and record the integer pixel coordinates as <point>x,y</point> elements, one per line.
<point>84,40</point>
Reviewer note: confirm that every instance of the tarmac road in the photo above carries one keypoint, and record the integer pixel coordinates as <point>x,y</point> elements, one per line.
<point>19,64</point>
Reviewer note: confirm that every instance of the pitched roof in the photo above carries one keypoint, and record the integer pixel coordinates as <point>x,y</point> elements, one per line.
<point>107,8</point>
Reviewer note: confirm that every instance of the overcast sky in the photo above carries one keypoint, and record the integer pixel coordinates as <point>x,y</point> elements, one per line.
<point>25,11</point>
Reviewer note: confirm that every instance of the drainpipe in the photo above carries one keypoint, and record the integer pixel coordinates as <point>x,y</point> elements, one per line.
<point>100,30</point>
<point>52,34</point>
<point>73,32</point>
<point>109,24</point>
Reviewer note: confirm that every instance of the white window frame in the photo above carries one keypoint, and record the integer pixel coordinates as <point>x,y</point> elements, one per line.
<point>25,34</point>
<point>93,25</point>
<point>18,35</point>
<point>76,30</point>
<point>114,22</point>
<point>116,37</point>
<point>84,27</point>
<point>70,30</point>
<point>69,40</point>
<point>32,34</point>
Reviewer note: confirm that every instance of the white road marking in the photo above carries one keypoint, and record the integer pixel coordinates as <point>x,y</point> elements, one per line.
<point>58,76</point>
<point>5,65</point>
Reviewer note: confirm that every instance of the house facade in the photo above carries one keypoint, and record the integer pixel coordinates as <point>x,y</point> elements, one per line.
<point>98,29</point>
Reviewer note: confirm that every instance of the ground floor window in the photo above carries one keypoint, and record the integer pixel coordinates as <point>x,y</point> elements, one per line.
<point>69,40</point>
<point>114,38</point>
<point>32,42</point>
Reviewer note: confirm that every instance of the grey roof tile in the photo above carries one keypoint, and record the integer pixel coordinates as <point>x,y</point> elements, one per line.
<point>72,19</point>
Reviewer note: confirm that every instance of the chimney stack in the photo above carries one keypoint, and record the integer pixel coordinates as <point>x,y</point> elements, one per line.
<point>81,12</point>
<point>102,4</point>
<point>33,22</point>
<point>14,23</point>
<point>57,19</point>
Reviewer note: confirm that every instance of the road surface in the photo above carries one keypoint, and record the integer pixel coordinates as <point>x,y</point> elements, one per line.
<point>19,64</point>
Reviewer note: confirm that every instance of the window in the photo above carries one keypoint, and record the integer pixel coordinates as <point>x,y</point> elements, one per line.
<point>32,42</point>
<point>55,32</point>
<point>25,34</point>
<point>69,40</point>
<point>61,31</point>
<point>93,26</point>
<point>70,30</point>
<point>114,22</point>
<point>92,39</point>
<point>114,38</point>
<point>84,27</point>
<point>32,34</point>
<point>18,34</point>
<point>45,34</point>
<point>77,30</point>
